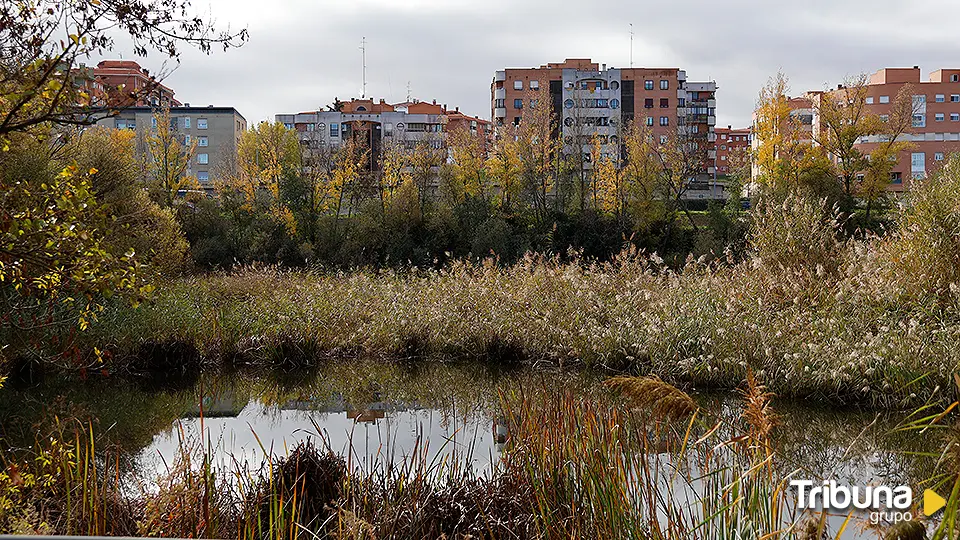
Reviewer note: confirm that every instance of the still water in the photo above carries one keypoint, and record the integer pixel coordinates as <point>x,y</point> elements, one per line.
<point>376,414</point>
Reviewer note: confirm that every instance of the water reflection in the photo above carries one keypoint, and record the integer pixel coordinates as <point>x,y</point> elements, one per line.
<point>377,414</point>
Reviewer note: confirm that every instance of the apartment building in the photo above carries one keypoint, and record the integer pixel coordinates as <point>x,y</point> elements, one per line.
<point>375,124</point>
<point>216,131</point>
<point>591,100</point>
<point>935,129</point>
<point>934,132</point>
<point>123,83</point>
<point>732,145</point>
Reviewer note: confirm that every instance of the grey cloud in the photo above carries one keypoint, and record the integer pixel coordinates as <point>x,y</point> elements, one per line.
<point>302,53</point>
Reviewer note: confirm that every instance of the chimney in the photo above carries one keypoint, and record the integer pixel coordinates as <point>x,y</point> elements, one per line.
<point>457,108</point>
<point>434,102</point>
<point>729,126</point>
<point>604,67</point>
<point>916,67</point>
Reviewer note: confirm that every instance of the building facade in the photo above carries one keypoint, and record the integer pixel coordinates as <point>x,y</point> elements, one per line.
<point>591,100</point>
<point>934,130</point>
<point>376,124</point>
<point>123,83</point>
<point>216,131</point>
<point>732,147</point>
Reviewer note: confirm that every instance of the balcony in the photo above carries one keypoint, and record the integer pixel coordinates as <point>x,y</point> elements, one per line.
<point>500,112</point>
<point>500,76</point>
<point>500,93</point>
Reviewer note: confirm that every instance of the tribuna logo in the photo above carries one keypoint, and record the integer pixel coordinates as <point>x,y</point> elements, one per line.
<point>890,504</point>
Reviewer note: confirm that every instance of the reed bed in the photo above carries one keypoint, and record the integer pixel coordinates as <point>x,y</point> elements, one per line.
<point>843,335</point>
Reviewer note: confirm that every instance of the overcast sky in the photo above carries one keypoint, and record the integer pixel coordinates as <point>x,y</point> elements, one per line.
<point>303,53</point>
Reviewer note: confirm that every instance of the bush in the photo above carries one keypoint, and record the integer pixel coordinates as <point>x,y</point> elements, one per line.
<point>796,233</point>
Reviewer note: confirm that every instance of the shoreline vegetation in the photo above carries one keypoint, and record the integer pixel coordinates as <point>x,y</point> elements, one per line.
<point>873,320</point>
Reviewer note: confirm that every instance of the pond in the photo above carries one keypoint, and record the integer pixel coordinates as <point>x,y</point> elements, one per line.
<point>377,414</point>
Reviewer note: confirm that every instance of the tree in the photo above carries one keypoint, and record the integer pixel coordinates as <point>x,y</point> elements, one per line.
<point>785,156</point>
<point>467,164</point>
<point>845,119</point>
<point>43,40</point>
<point>56,267</point>
<point>168,160</point>
<point>506,167</point>
<point>267,154</point>
<point>609,190</point>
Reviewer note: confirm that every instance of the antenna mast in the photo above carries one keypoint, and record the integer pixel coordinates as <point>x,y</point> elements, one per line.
<point>408,92</point>
<point>363,57</point>
<point>631,45</point>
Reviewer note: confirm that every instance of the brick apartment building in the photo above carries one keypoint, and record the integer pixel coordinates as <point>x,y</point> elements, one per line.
<point>378,123</point>
<point>935,129</point>
<point>216,130</point>
<point>590,99</point>
<point>934,132</point>
<point>123,83</point>
<point>732,145</point>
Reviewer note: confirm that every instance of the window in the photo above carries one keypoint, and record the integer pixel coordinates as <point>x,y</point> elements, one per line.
<point>681,102</point>
<point>723,136</point>
<point>203,159</point>
<point>663,139</point>
<point>534,85</point>
<point>518,103</point>
<point>153,122</point>
<point>186,140</point>
<point>884,99</point>
<point>919,120</point>
<point>664,121</point>
<point>723,147</point>
<point>918,164</point>
<point>940,98</point>
<point>186,122</point>
<point>648,103</point>
<point>568,103</point>
<point>203,176</point>
<point>310,127</point>
<point>954,117</point>
<point>335,129</point>
<point>516,120</point>
<point>664,84</point>
<point>723,158</point>
<point>664,103</point>
<point>614,85</point>
<point>500,104</point>
<point>938,156</point>
<point>202,141</point>
<point>954,78</point>
<point>614,103</point>
<point>568,121</point>
<point>955,98</point>
<point>388,129</point>
<point>884,117</point>
<point>121,124</point>
<point>896,178</point>
<point>201,123</point>
<point>518,85</point>
<point>648,85</point>
<point>938,117</point>
<point>870,101</point>
<point>649,120</point>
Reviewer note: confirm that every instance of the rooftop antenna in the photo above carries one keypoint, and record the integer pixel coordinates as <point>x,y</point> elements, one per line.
<point>363,57</point>
<point>408,92</point>
<point>631,45</point>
